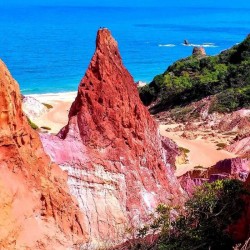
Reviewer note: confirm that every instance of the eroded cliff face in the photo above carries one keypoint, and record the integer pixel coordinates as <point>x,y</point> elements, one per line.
<point>119,168</point>
<point>36,209</point>
<point>240,230</point>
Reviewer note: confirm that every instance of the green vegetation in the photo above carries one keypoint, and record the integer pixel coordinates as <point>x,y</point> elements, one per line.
<point>221,145</point>
<point>184,150</point>
<point>199,167</point>
<point>45,127</point>
<point>32,124</point>
<point>48,106</point>
<point>204,222</point>
<point>227,76</point>
<point>180,114</point>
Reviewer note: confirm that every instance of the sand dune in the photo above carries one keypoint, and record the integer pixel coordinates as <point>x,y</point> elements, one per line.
<point>202,151</point>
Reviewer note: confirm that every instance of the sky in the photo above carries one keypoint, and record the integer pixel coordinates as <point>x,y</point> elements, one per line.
<point>130,3</point>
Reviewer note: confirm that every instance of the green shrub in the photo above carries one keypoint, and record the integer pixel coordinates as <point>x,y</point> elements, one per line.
<point>181,113</point>
<point>185,150</point>
<point>221,145</point>
<point>204,222</point>
<point>48,106</point>
<point>32,124</point>
<point>45,127</point>
<point>208,214</point>
<point>231,99</point>
<point>198,167</point>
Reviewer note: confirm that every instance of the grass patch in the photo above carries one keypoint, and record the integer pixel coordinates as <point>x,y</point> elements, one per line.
<point>199,167</point>
<point>183,157</point>
<point>32,124</point>
<point>221,145</point>
<point>46,128</point>
<point>230,133</point>
<point>184,150</point>
<point>48,106</point>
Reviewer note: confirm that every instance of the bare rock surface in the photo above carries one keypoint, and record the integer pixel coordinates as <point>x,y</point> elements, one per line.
<point>199,51</point>
<point>32,107</point>
<point>119,168</point>
<point>36,208</point>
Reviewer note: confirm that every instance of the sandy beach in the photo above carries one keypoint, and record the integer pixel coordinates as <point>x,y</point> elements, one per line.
<point>56,117</point>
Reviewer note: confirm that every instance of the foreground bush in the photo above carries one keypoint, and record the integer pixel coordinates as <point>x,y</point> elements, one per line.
<point>203,223</point>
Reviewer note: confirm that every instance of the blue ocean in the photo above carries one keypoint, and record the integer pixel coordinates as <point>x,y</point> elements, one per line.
<point>48,49</point>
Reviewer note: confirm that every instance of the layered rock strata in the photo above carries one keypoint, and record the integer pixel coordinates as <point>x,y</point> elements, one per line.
<point>36,209</point>
<point>120,169</point>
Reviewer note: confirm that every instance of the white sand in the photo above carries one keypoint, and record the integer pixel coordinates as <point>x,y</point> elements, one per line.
<point>57,117</point>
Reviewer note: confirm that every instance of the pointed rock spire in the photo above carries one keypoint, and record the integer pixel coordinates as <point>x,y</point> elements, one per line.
<point>118,164</point>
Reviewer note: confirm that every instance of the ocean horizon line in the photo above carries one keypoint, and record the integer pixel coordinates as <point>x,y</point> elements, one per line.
<point>183,7</point>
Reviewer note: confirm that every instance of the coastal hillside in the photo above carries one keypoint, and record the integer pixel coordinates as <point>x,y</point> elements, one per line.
<point>226,77</point>
<point>202,103</point>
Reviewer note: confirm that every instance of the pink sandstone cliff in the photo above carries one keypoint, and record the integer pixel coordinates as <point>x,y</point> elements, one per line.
<point>119,167</point>
<point>36,209</point>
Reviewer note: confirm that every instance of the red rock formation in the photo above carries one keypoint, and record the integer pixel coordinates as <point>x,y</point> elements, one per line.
<point>199,51</point>
<point>191,180</point>
<point>112,150</point>
<point>236,168</point>
<point>240,230</point>
<point>236,121</point>
<point>241,147</point>
<point>36,209</point>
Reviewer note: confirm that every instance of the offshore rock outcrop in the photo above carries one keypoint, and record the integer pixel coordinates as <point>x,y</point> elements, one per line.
<point>36,209</point>
<point>199,51</point>
<point>119,167</point>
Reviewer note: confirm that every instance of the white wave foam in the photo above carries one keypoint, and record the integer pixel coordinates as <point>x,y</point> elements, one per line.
<point>60,96</point>
<point>167,45</point>
<point>210,45</point>
<point>26,89</point>
<point>53,94</point>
